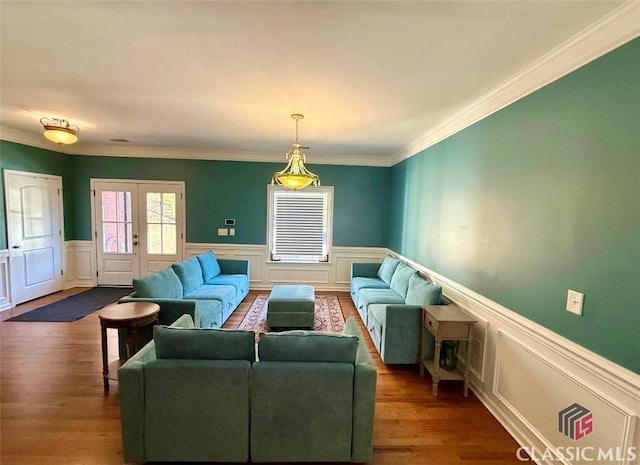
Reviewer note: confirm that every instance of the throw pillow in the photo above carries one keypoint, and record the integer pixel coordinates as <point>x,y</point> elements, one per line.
<point>422,292</point>
<point>163,284</point>
<point>388,266</point>
<point>209,264</point>
<point>204,344</point>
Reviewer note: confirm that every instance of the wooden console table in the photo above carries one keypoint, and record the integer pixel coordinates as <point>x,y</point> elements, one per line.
<point>128,316</point>
<point>447,323</point>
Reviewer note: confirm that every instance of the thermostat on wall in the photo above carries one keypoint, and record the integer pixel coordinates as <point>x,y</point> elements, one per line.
<point>230,222</point>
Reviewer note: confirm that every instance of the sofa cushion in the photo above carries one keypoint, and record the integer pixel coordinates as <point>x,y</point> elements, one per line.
<point>209,264</point>
<point>422,292</point>
<point>362,283</point>
<point>388,266</point>
<point>239,281</point>
<point>190,274</point>
<point>307,346</point>
<point>163,284</point>
<point>378,296</point>
<point>400,279</point>
<point>223,293</point>
<point>206,344</point>
<point>377,314</point>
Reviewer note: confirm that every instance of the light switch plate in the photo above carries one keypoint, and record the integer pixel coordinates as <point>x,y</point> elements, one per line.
<point>232,231</point>
<point>574,302</point>
<point>222,232</point>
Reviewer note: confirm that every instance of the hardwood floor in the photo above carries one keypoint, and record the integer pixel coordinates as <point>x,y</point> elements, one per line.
<point>54,410</point>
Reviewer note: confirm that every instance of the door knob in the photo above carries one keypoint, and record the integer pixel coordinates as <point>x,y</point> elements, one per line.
<point>135,236</point>
<point>16,247</point>
<point>135,242</point>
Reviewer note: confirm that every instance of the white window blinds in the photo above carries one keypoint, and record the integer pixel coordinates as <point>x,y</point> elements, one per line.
<point>300,225</point>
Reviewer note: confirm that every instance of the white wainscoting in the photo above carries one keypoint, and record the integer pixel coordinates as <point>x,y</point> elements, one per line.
<point>524,374</point>
<point>332,276</point>
<point>80,264</point>
<point>5,294</point>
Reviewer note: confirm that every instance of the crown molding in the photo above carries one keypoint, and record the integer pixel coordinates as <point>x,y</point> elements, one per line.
<point>611,31</point>
<point>32,140</point>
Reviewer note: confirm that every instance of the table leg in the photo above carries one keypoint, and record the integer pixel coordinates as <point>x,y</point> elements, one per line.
<point>105,358</point>
<point>436,370</point>
<point>133,342</point>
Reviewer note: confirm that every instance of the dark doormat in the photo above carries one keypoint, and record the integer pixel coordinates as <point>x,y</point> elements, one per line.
<point>76,306</point>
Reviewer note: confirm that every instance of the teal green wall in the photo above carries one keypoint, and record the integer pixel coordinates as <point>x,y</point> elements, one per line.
<point>214,190</point>
<point>539,198</point>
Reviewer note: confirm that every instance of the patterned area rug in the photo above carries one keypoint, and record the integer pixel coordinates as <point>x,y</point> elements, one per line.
<point>328,315</point>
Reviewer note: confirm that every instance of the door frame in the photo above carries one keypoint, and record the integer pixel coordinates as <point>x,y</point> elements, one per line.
<point>94,220</point>
<point>62,249</point>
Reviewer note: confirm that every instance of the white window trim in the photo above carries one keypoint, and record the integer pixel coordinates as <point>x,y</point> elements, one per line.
<point>270,207</point>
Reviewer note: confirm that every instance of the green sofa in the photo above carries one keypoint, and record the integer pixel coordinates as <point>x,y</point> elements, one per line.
<point>199,395</point>
<point>389,297</point>
<point>203,286</point>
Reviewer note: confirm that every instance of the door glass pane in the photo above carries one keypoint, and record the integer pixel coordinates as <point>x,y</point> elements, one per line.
<point>169,208</point>
<point>154,208</point>
<point>109,206</point>
<point>169,238</point>
<point>161,223</point>
<point>154,239</point>
<point>116,222</point>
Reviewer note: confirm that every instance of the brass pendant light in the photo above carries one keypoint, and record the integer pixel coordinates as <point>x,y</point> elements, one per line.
<point>295,175</point>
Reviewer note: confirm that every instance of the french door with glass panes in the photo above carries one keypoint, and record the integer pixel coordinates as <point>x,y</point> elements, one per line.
<point>138,227</point>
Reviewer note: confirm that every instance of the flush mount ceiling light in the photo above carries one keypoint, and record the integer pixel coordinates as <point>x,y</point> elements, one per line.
<point>59,131</point>
<point>295,176</point>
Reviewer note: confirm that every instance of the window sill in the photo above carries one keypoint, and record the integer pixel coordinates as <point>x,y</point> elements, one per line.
<point>295,262</point>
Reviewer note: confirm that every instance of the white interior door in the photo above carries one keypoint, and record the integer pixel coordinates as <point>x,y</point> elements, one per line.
<point>139,227</point>
<point>34,226</point>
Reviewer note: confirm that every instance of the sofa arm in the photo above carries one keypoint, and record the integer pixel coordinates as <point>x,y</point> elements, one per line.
<point>131,384</point>
<point>364,398</point>
<point>364,270</point>
<point>234,266</point>
<point>170,309</point>
<point>403,326</point>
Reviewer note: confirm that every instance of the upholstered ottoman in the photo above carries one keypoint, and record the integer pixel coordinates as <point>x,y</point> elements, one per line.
<point>291,306</point>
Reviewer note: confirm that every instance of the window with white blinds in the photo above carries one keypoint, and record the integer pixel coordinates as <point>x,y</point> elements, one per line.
<point>300,224</point>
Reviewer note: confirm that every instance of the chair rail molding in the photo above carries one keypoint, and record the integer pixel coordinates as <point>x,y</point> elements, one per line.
<point>529,373</point>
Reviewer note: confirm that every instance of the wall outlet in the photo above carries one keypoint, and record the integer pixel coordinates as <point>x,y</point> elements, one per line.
<point>222,232</point>
<point>574,302</point>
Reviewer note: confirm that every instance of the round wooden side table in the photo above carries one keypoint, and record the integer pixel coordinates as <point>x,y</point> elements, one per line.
<point>128,316</point>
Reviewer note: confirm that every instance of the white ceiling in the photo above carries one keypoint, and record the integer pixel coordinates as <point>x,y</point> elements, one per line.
<point>224,76</point>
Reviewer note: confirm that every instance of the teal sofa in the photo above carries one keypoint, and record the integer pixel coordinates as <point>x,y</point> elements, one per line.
<point>389,297</point>
<point>200,395</point>
<point>203,286</point>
